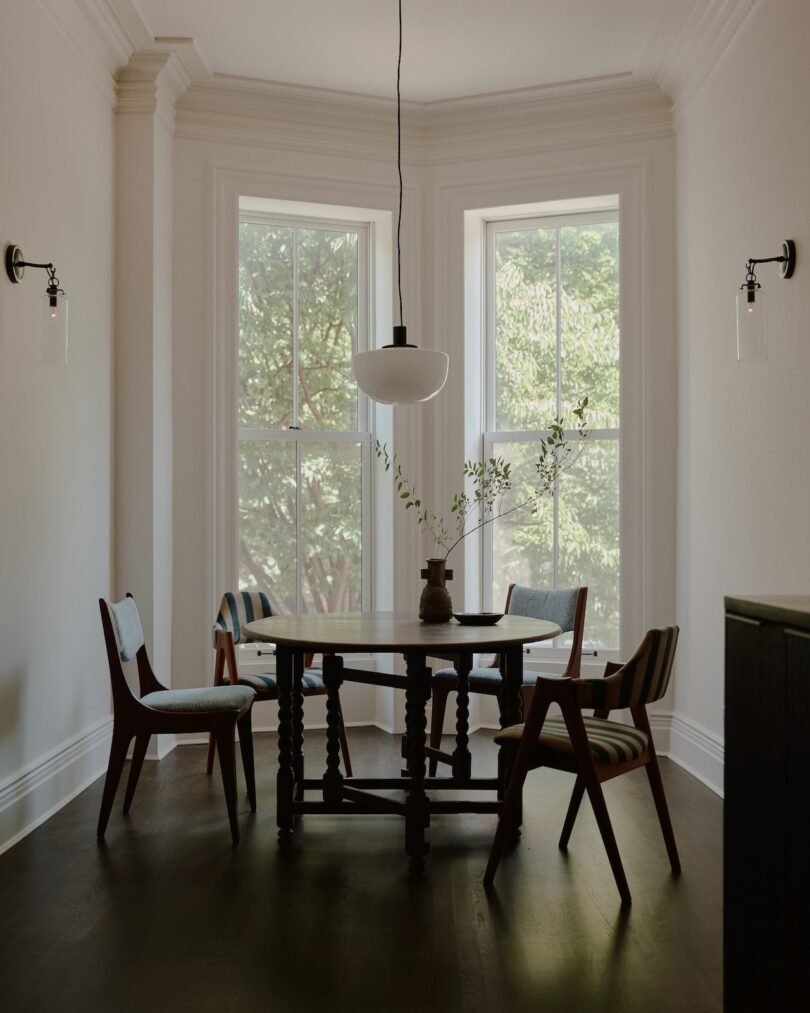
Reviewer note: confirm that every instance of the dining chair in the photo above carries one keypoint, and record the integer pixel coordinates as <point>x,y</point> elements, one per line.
<point>594,748</point>
<point>565,606</point>
<point>219,710</point>
<point>235,610</point>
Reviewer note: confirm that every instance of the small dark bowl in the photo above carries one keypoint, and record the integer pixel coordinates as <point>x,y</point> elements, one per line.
<point>478,618</point>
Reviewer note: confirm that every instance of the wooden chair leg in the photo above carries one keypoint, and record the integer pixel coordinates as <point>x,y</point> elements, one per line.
<point>141,745</point>
<point>508,818</point>
<point>227,764</point>
<point>118,755</point>
<point>246,748</point>
<point>438,707</point>
<point>657,788</point>
<point>212,749</point>
<point>571,815</point>
<point>223,640</point>
<point>597,798</point>
<point>590,778</point>
<point>344,742</point>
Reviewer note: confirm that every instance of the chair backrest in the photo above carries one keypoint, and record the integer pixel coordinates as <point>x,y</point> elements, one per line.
<point>645,677</point>
<point>238,608</point>
<point>126,624</point>
<point>124,640</point>
<point>564,606</point>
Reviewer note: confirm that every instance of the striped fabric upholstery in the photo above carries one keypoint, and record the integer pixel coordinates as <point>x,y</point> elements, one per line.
<point>610,742</point>
<point>267,683</point>
<point>238,608</point>
<point>642,680</point>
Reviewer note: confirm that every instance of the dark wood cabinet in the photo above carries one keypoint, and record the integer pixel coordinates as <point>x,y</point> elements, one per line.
<point>767,801</point>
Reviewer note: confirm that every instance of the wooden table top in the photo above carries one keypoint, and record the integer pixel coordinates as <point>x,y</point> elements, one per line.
<point>396,631</point>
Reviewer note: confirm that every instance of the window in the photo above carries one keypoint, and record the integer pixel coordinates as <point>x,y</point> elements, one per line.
<point>304,443</point>
<point>552,337</point>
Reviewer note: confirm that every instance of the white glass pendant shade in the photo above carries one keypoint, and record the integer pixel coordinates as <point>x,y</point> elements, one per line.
<point>401,375</point>
<point>751,334</point>
<point>53,330</point>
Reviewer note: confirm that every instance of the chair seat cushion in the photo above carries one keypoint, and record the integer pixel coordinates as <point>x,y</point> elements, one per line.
<point>313,683</point>
<point>485,679</point>
<point>206,700</point>
<point>610,741</point>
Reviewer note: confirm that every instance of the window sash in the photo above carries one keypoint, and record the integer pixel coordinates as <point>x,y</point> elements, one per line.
<point>300,437</point>
<point>549,650</point>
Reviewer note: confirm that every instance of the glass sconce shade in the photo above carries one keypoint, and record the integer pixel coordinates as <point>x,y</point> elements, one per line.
<point>53,330</point>
<point>401,375</point>
<point>751,336</point>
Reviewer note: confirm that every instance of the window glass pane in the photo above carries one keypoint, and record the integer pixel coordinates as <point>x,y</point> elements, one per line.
<point>526,328</point>
<point>589,320</point>
<point>522,543</point>
<point>331,527</point>
<point>327,328</point>
<point>265,326</point>
<point>589,538</point>
<point>267,521</point>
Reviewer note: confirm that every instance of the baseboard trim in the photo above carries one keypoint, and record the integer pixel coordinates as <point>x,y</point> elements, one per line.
<point>698,750</point>
<point>38,791</point>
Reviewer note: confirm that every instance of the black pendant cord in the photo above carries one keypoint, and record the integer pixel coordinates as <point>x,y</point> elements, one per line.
<point>399,164</point>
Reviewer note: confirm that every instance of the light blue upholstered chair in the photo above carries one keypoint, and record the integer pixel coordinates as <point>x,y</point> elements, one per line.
<point>235,610</point>
<point>217,710</point>
<point>565,607</point>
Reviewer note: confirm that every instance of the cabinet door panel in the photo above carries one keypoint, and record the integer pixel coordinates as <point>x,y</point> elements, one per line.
<point>797,643</point>
<point>754,821</point>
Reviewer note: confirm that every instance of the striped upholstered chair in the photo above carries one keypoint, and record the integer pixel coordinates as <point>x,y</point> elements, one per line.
<point>565,607</point>
<point>594,748</point>
<point>236,609</point>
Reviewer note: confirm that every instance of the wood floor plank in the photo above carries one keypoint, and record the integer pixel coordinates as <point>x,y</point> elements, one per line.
<point>169,916</point>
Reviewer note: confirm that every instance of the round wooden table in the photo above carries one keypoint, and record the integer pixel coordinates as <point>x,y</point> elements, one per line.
<point>394,633</point>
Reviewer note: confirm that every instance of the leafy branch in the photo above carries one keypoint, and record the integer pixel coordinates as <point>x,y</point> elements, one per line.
<point>490,481</point>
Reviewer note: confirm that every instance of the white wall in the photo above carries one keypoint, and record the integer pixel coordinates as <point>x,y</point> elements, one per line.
<point>743,165</point>
<point>56,202</point>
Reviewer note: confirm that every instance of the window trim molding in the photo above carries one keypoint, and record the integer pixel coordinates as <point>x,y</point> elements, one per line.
<point>367,202</point>
<point>464,210</point>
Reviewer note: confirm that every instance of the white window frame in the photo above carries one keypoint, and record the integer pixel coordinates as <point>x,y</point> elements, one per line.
<point>300,437</point>
<point>549,650</point>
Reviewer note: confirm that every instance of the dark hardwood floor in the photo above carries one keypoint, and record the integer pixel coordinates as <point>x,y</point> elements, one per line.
<point>169,916</point>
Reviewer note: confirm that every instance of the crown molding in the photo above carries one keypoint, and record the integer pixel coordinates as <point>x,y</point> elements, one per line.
<point>683,52</point>
<point>103,34</point>
<point>269,114</point>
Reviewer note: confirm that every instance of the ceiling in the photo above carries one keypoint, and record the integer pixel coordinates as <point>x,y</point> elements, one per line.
<point>452,48</point>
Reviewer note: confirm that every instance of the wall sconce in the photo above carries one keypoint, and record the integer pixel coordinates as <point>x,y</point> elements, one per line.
<point>751,335</point>
<point>53,308</point>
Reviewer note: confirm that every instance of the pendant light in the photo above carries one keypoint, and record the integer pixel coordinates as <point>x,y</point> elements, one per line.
<point>401,373</point>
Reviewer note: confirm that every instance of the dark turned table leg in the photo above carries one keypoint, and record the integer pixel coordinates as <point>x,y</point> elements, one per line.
<point>285,780</point>
<point>417,815</point>
<point>333,678</point>
<point>298,723</point>
<point>462,759</point>
<point>511,713</point>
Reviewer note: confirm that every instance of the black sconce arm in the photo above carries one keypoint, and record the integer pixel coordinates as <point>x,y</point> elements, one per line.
<point>15,269</point>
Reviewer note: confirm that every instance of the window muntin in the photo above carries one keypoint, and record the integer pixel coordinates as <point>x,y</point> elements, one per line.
<point>304,445</point>
<point>553,336</point>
